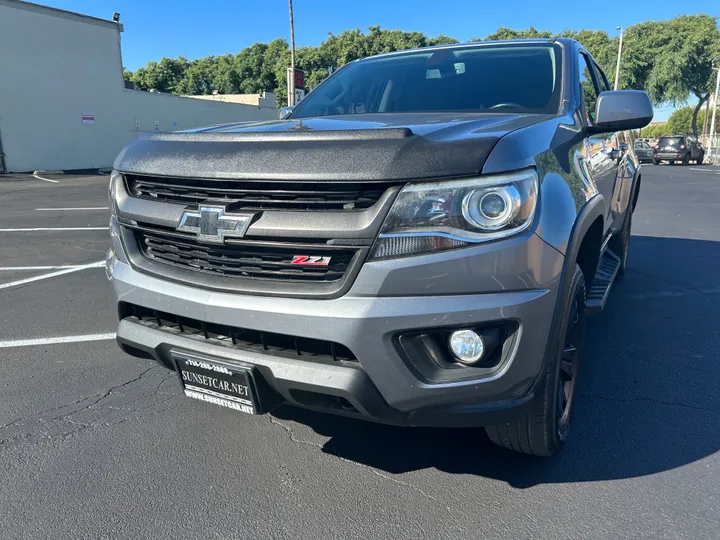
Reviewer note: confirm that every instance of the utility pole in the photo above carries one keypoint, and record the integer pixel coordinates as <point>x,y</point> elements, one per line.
<point>708,103</point>
<point>291,85</point>
<point>617,68</point>
<point>716,66</point>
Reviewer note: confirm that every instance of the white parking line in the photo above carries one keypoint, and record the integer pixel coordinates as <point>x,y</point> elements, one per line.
<point>56,229</point>
<point>52,274</point>
<point>71,209</point>
<point>54,340</point>
<point>705,170</point>
<point>18,268</point>
<point>45,179</point>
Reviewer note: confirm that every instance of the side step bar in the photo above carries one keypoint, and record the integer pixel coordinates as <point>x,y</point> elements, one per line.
<point>604,278</point>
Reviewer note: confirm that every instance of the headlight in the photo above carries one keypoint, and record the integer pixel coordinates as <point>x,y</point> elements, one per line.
<point>437,216</point>
<point>115,179</point>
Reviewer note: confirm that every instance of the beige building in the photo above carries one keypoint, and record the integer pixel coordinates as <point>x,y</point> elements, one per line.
<point>266,100</point>
<point>63,102</point>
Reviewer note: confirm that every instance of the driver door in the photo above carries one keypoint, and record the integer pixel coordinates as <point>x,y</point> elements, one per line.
<point>602,150</point>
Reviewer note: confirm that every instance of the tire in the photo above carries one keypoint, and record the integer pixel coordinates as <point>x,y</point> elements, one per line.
<point>543,429</point>
<point>700,159</point>
<point>671,162</point>
<point>620,243</point>
<point>686,159</point>
<point>656,162</point>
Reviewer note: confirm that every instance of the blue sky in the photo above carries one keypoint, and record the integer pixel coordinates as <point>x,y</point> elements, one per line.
<point>157,28</point>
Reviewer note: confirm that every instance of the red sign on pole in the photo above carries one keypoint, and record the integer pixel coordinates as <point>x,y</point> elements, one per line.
<point>299,79</point>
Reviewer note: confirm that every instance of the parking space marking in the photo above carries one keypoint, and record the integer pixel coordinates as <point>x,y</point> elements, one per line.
<point>98,264</point>
<point>45,179</point>
<point>19,268</point>
<point>71,209</point>
<point>54,340</point>
<point>704,170</point>
<point>56,229</point>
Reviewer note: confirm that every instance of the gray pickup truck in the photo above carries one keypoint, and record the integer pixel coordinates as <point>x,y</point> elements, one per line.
<point>417,243</point>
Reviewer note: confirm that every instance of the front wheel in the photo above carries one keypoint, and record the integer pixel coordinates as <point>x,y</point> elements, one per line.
<point>543,429</point>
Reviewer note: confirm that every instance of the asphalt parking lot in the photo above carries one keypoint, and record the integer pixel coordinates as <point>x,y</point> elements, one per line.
<point>97,444</point>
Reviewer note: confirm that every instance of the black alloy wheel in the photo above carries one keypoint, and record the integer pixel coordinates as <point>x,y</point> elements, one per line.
<point>569,366</point>
<point>544,426</point>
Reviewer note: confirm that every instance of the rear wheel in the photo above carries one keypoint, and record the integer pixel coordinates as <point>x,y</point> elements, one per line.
<point>543,429</point>
<point>700,158</point>
<point>686,159</point>
<point>671,162</point>
<point>656,162</point>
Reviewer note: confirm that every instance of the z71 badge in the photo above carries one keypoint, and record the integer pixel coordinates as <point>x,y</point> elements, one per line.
<point>306,260</point>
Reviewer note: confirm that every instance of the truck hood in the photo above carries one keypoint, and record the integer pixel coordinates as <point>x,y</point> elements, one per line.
<point>400,146</point>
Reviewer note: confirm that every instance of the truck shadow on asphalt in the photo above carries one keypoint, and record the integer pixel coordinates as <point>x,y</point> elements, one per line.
<point>649,392</point>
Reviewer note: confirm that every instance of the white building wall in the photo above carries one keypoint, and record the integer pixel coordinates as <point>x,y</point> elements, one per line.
<point>56,66</point>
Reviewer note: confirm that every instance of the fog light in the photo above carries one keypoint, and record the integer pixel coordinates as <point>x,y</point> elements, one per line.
<point>467,346</point>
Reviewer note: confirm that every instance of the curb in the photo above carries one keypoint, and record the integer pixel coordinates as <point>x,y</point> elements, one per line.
<point>48,172</point>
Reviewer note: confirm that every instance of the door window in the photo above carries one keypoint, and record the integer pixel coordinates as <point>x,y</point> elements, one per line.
<point>588,88</point>
<point>601,78</point>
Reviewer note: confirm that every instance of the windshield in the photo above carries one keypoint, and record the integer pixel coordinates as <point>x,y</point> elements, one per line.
<point>500,78</point>
<point>670,141</point>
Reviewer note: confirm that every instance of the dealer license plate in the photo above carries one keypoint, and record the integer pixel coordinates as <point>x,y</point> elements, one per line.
<point>216,383</point>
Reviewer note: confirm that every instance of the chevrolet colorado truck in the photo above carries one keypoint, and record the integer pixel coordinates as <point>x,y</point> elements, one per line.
<point>418,242</point>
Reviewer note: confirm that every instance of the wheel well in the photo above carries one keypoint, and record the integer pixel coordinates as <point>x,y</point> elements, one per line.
<point>588,255</point>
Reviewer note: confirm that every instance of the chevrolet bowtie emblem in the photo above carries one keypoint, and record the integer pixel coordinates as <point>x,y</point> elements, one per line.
<point>212,224</point>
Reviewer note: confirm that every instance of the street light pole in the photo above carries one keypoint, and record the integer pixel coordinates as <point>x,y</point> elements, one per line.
<point>617,68</point>
<point>291,85</point>
<point>716,65</point>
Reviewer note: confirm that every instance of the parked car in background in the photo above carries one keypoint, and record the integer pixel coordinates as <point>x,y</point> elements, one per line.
<point>417,243</point>
<point>643,151</point>
<point>680,148</point>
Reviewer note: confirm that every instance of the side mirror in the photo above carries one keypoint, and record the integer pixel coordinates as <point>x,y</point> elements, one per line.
<point>285,111</point>
<point>618,110</point>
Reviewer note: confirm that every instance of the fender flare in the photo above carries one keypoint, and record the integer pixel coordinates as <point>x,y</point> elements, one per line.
<point>590,211</point>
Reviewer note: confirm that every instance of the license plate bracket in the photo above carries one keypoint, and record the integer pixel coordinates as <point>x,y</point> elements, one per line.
<point>211,380</point>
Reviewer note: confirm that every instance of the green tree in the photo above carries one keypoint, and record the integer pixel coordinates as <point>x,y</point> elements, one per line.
<point>503,33</point>
<point>602,47</point>
<point>226,79</point>
<point>163,76</point>
<point>683,52</point>
<point>127,74</point>
<point>441,39</point>
<point>199,78</point>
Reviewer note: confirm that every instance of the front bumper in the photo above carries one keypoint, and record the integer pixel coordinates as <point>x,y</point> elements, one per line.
<point>382,387</point>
